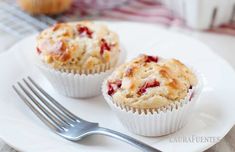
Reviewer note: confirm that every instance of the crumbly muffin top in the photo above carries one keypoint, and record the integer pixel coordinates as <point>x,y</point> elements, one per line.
<point>78,45</point>
<point>150,82</point>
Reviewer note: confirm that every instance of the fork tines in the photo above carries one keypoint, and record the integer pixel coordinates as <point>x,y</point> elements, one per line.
<point>52,113</point>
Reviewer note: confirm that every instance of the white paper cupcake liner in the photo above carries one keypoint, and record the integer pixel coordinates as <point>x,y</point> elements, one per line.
<point>75,85</point>
<point>155,122</point>
<point>79,84</point>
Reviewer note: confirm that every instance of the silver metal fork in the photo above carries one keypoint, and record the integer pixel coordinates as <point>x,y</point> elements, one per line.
<point>63,122</point>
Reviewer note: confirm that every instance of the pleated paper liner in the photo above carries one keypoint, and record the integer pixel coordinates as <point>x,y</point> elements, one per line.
<point>159,121</point>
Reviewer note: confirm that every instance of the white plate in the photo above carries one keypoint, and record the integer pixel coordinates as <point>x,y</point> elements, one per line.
<point>213,117</point>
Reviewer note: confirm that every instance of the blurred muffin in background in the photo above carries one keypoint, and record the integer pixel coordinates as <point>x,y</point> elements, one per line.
<point>49,7</point>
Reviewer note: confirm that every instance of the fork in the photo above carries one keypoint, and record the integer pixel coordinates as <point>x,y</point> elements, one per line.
<point>62,121</point>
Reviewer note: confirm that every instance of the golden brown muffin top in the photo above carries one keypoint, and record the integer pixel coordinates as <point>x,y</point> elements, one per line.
<point>78,45</point>
<point>150,82</point>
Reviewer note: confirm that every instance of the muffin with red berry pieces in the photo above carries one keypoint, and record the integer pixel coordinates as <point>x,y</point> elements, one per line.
<point>152,96</point>
<point>77,56</point>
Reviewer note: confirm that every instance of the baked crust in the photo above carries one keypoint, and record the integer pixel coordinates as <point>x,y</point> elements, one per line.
<point>78,46</point>
<point>50,7</point>
<point>150,82</point>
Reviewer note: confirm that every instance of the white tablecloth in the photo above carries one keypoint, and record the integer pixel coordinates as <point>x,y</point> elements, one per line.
<point>222,44</point>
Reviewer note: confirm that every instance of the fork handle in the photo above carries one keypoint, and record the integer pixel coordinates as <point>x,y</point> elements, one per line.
<point>138,144</point>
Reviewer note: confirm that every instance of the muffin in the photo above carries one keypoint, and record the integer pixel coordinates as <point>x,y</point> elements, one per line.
<point>49,7</point>
<point>77,56</point>
<point>152,96</point>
